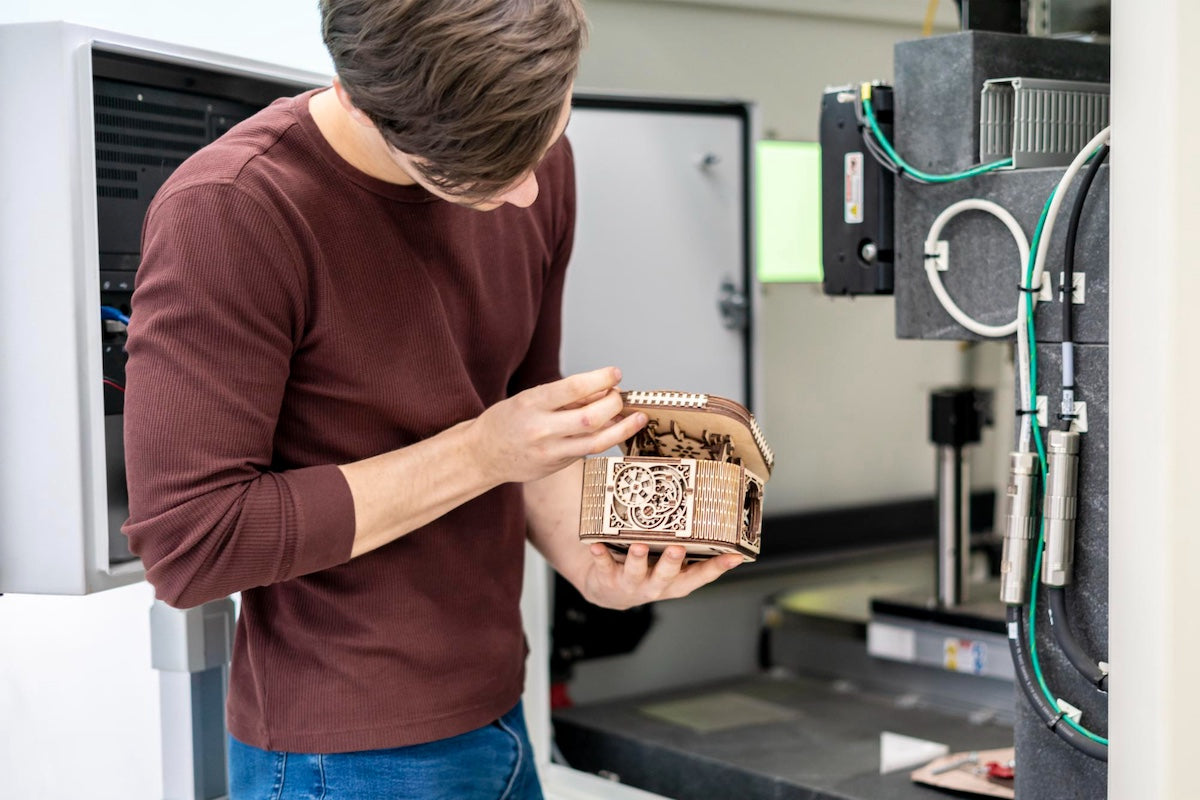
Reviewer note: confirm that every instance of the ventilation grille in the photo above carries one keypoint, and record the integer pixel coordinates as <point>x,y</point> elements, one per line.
<point>1039,123</point>
<point>141,128</point>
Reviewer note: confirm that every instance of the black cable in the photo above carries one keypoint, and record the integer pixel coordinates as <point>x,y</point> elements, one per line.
<point>1068,311</point>
<point>1083,663</point>
<point>875,149</point>
<point>1052,717</point>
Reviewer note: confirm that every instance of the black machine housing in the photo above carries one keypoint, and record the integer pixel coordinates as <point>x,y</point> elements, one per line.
<point>856,197</point>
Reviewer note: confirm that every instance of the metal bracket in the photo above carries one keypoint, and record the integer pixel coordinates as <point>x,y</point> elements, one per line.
<point>734,306</point>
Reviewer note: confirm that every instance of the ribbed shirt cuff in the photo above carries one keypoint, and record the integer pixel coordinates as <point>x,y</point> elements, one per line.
<point>325,509</point>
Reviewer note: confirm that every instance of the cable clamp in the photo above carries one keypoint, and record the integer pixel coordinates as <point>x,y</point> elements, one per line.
<point>1026,412</point>
<point>1029,289</point>
<point>1069,711</point>
<point>1068,416</point>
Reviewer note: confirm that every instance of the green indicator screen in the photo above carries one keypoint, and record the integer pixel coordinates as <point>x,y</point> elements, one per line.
<point>788,178</point>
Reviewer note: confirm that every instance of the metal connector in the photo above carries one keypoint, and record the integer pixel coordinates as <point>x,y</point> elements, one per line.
<point>1019,529</point>
<point>1060,507</point>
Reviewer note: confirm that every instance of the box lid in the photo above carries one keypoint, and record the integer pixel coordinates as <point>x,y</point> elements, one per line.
<point>702,426</point>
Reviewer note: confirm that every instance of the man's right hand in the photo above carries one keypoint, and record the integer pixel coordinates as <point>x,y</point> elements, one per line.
<point>542,430</point>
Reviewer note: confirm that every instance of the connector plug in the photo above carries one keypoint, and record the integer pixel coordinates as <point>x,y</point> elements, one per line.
<point>1061,506</point>
<point>1019,529</point>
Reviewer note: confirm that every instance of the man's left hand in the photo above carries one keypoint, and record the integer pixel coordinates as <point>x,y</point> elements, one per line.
<point>616,585</point>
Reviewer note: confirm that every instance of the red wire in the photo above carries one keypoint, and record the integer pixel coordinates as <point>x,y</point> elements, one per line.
<point>114,385</point>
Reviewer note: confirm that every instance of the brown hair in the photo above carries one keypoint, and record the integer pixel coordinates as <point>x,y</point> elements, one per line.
<point>471,89</point>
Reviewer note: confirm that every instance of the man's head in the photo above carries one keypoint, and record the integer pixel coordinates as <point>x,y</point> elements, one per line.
<point>471,91</point>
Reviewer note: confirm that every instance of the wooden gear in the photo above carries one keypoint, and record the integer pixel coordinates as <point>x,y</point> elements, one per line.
<point>693,476</point>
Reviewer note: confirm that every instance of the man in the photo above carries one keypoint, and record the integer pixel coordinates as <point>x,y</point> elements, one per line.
<point>344,402</point>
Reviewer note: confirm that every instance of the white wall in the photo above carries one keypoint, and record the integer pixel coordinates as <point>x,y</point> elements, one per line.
<point>78,699</point>
<point>279,31</point>
<point>846,404</point>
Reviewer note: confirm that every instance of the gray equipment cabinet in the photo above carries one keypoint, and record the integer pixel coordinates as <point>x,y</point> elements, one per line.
<point>938,91</point>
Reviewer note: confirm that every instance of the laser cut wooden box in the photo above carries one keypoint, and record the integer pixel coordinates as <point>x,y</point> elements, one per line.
<point>693,476</point>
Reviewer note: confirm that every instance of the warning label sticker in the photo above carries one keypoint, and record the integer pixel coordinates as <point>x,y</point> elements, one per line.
<point>964,655</point>
<point>854,188</point>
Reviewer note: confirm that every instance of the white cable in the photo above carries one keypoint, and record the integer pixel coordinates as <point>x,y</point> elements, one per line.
<point>1060,194</point>
<point>935,279</point>
<point>1039,265</point>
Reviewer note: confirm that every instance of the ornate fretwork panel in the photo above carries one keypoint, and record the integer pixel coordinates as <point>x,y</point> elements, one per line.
<point>650,496</point>
<point>671,441</point>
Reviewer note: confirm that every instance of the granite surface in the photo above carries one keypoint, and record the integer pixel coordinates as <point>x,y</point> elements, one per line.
<point>827,750</point>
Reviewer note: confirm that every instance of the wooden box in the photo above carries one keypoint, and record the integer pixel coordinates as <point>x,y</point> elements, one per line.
<point>693,476</point>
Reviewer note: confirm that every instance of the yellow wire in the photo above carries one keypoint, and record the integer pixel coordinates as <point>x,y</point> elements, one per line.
<point>930,13</point>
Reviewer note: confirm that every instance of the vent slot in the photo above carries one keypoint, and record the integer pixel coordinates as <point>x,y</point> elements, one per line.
<point>117,191</point>
<point>129,104</point>
<point>116,157</point>
<point>143,132</point>
<point>147,142</point>
<point>123,122</point>
<point>111,174</point>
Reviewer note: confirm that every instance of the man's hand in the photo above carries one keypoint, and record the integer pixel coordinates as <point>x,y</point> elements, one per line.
<point>542,430</point>
<point>612,585</point>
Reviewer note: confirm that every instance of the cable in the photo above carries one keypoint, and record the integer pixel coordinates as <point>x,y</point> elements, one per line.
<point>1059,621</point>
<point>1044,225</point>
<point>1049,713</point>
<point>1068,312</point>
<point>1061,191</point>
<point>908,169</point>
<point>1041,237</point>
<point>1026,356</point>
<point>108,312</point>
<point>930,16</point>
<point>1071,648</point>
<point>880,156</point>
<point>935,280</point>
<point>114,384</point>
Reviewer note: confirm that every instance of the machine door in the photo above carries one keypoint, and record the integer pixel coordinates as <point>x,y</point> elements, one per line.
<point>658,280</point>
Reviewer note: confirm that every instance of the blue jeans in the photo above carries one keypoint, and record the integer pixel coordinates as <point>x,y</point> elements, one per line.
<point>494,762</point>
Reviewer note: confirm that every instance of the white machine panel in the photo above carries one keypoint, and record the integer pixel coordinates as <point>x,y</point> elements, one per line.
<point>62,497</point>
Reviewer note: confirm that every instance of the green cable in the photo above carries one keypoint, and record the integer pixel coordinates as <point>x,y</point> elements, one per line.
<point>869,112</point>
<point>1037,438</point>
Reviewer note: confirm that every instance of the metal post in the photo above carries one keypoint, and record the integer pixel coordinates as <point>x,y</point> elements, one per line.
<point>954,546</point>
<point>191,648</point>
<point>956,418</point>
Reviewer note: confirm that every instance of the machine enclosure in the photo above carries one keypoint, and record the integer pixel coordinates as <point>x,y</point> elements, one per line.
<point>856,198</point>
<point>66,243</point>
<point>938,83</point>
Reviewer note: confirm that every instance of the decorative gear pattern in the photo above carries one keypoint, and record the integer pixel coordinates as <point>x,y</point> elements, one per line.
<point>634,486</point>
<point>650,497</point>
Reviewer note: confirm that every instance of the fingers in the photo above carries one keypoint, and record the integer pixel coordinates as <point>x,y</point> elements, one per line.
<point>612,584</point>
<point>578,387</point>
<point>593,416</point>
<point>666,570</point>
<point>603,561</point>
<point>637,565</point>
<point>614,434</point>
<point>591,398</point>
<point>697,575</point>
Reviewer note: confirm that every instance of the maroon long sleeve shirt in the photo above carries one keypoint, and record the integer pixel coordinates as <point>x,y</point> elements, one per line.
<point>293,313</point>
